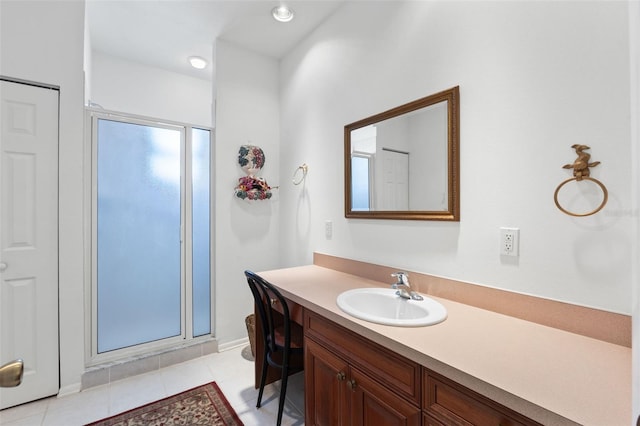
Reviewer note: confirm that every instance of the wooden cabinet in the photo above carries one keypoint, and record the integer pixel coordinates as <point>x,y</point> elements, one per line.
<point>324,385</point>
<point>448,403</point>
<point>350,380</point>
<point>373,404</point>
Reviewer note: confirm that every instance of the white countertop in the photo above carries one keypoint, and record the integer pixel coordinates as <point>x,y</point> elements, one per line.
<point>552,376</point>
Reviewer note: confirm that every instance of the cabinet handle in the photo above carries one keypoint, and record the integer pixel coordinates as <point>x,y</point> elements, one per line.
<point>340,376</point>
<point>352,384</point>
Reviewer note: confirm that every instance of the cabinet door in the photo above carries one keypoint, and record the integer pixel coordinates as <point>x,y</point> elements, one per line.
<point>326,401</point>
<point>373,404</point>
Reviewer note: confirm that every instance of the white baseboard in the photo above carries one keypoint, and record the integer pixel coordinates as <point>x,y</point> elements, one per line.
<point>233,344</point>
<point>69,390</point>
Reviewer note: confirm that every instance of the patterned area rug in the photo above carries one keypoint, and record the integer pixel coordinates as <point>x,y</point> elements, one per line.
<point>204,405</point>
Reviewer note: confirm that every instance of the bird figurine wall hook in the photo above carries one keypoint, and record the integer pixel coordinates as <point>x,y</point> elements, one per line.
<point>581,173</point>
<point>581,165</point>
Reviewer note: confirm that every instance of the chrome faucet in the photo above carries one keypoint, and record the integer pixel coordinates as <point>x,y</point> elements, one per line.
<point>403,287</point>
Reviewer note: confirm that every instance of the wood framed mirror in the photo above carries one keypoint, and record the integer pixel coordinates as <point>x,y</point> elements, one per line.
<point>404,163</point>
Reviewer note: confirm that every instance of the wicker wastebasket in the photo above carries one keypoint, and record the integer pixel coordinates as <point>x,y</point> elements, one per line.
<point>250,321</point>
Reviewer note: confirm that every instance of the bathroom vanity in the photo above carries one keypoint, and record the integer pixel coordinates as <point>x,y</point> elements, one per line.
<point>477,367</point>
<point>352,380</point>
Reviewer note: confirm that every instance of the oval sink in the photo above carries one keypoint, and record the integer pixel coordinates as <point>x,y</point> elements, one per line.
<point>383,306</point>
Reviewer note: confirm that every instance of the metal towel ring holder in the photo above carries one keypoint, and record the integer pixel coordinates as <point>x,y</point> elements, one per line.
<point>581,172</point>
<point>297,178</point>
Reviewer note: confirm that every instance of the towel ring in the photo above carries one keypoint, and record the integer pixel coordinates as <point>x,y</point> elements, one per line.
<point>596,181</point>
<point>581,172</point>
<point>297,180</point>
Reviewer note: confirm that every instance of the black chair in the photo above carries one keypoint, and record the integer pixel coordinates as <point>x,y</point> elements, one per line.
<point>282,338</point>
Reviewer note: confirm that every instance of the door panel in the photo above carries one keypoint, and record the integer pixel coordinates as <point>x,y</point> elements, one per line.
<point>325,379</point>
<point>138,233</point>
<point>374,404</point>
<point>29,238</point>
<point>395,189</point>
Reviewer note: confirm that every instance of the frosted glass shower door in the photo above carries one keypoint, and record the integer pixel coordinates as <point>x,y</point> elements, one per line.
<point>201,230</point>
<point>138,221</point>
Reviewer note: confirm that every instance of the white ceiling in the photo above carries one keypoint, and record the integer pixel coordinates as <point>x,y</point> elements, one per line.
<point>164,33</point>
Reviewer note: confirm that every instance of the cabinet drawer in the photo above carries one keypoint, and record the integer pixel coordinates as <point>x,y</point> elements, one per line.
<point>453,404</point>
<point>374,404</point>
<point>398,373</point>
<point>427,420</point>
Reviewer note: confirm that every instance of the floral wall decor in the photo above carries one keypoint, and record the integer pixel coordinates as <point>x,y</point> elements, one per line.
<point>251,187</point>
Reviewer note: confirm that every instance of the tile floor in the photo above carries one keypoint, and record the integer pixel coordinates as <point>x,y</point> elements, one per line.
<point>232,370</point>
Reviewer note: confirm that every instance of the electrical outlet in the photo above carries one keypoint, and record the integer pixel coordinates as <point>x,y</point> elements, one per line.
<point>509,239</point>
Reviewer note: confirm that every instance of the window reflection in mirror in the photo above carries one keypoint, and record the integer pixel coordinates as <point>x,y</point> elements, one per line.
<point>403,163</point>
<point>361,184</point>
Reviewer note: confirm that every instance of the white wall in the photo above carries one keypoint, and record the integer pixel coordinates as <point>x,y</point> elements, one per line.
<point>534,77</point>
<point>87,61</point>
<point>42,41</point>
<point>125,86</point>
<point>247,233</point>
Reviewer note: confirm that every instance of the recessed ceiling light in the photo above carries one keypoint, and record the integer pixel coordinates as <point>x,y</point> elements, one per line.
<point>282,13</point>
<point>197,62</point>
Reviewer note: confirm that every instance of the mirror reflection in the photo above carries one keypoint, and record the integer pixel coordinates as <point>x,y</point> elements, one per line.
<point>403,163</point>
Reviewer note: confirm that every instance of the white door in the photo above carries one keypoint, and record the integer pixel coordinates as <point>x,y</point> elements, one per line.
<point>395,192</point>
<point>29,238</point>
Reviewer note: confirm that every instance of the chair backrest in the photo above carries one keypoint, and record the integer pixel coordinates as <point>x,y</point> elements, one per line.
<point>265,295</point>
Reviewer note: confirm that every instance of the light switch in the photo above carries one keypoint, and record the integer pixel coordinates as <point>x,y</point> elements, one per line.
<point>328,229</point>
